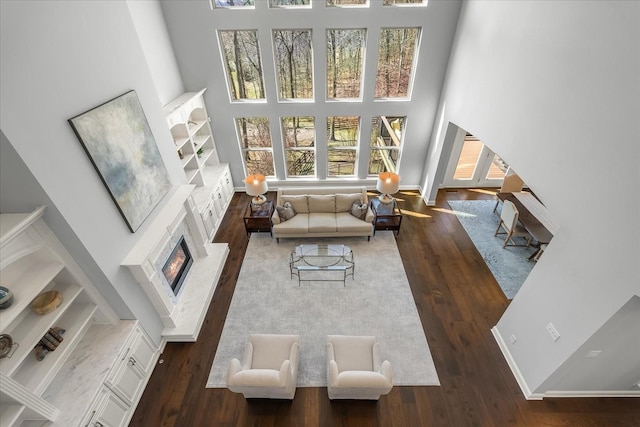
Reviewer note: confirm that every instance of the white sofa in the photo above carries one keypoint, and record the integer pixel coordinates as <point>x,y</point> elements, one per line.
<point>269,367</point>
<point>322,212</point>
<point>355,369</point>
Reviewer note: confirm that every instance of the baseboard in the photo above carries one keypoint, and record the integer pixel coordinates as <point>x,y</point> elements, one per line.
<point>601,393</point>
<point>514,367</point>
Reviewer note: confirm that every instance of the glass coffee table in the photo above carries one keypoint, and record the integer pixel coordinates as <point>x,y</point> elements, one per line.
<point>322,263</point>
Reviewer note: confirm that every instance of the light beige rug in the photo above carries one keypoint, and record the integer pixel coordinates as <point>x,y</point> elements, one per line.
<point>377,301</point>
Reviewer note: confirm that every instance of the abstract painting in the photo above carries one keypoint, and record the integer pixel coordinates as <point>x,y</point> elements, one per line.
<point>117,138</point>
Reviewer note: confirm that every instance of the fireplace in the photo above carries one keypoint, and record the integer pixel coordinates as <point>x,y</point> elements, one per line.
<point>177,266</point>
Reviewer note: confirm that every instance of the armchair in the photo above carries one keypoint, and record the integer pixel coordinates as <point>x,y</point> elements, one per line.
<point>355,369</point>
<point>269,367</point>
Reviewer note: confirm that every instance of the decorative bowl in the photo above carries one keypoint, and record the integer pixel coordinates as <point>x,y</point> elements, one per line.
<point>6,297</point>
<point>6,343</point>
<point>46,302</point>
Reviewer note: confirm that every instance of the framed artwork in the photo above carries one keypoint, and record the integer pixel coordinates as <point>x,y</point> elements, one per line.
<point>117,138</point>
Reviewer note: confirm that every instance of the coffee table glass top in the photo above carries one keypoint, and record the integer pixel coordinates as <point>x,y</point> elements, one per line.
<point>320,258</point>
<point>322,255</point>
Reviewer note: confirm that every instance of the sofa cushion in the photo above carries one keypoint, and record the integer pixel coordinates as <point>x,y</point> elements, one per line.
<point>359,209</point>
<point>322,203</point>
<point>286,211</point>
<point>299,203</point>
<point>299,224</point>
<point>347,223</point>
<point>345,201</point>
<point>322,222</point>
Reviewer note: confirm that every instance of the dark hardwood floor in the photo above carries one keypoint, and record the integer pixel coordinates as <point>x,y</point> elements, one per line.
<point>458,301</point>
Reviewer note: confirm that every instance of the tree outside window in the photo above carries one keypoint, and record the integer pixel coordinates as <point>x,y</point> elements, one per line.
<point>243,64</point>
<point>396,55</point>
<point>294,63</point>
<point>257,151</point>
<point>342,145</point>
<point>299,146</point>
<point>387,134</point>
<point>345,60</point>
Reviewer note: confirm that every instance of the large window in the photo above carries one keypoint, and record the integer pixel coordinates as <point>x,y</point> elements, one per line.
<point>396,56</point>
<point>293,63</point>
<point>257,151</point>
<point>243,64</point>
<point>345,58</point>
<point>316,70</point>
<point>387,134</point>
<point>299,135</point>
<point>342,145</point>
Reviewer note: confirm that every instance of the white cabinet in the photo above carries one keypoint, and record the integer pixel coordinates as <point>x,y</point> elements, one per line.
<point>129,376</point>
<point>188,121</point>
<point>34,261</point>
<point>109,411</point>
<point>118,397</point>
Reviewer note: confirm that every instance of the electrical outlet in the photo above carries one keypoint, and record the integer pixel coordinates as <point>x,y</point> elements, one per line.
<point>553,331</point>
<point>512,338</point>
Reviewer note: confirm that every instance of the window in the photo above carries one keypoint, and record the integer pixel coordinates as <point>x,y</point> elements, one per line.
<point>233,3</point>
<point>293,63</point>
<point>257,151</point>
<point>288,3</point>
<point>404,2</point>
<point>346,2</point>
<point>243,64</point>
<point>342,145</point>
<point>345,59</point>
<point>299,145</point>
<point>396,62</point>
<point>387,134</point>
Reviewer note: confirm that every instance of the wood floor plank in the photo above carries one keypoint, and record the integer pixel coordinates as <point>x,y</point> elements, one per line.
<point>458,301</point>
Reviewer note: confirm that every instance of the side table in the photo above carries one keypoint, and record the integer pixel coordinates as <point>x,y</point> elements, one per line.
<point>386,216</point>
<point>257,218</point>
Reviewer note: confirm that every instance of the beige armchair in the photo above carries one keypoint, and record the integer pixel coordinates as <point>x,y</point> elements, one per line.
<point>269,367</point>
<point>355,369</point>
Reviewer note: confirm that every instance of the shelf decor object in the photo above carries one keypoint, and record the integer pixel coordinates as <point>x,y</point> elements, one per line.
<point>46,302</point>
<point>6,297</point>
<point>256,186</point>
<point>118,140</point>
<point>388,184</point>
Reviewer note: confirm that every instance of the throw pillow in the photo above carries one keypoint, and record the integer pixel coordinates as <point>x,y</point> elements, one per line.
<point>359,209</point>
<point>285,212</point>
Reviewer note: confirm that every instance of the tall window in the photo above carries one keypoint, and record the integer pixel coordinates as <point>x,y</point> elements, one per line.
<point>243,64</point>
<point>293,63</point>
<point>342,145</point>
<point>345,58</point>
<point>257,150</point>
<point>233,3</point>
<point>347,2</point>
<point>289,3</point>
<point>396,56</point>
<point>387,134</point>
<point>299,144</point>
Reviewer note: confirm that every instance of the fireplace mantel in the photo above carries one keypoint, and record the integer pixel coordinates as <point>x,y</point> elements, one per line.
<point>182,315</point>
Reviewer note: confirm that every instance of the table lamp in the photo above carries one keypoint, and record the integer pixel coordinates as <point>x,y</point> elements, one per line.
<point>256,186</point>
<point>388,184</point>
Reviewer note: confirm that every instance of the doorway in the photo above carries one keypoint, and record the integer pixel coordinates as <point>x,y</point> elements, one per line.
<point>473,164</point>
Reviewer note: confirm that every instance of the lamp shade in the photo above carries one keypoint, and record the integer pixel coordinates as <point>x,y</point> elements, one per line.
<point>388,183</point>
<point>256,185</point>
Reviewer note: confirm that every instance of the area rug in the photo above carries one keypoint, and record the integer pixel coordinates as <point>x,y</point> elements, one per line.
<point>509,266</point>
<point>376,301</point>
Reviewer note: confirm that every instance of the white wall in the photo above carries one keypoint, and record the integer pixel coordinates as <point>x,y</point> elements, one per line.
<point>553,88</point>
<point>156,45</point>
<point>201,66</point>
<point>59,59</point>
